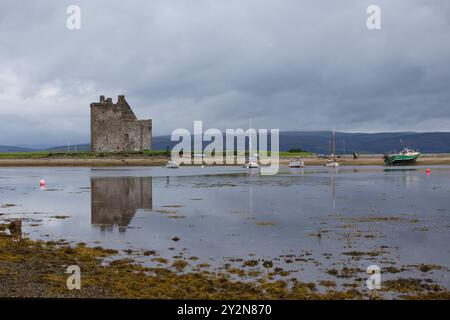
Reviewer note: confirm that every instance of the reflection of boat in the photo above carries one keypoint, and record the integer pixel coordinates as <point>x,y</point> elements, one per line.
<point>296,170</point>
<point>406,156</point>
<point>172,164</point>
<point>332,162</point>
<point>296,163</point>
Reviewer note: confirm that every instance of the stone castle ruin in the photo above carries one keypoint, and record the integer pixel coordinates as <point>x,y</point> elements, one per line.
<point>114,127</point>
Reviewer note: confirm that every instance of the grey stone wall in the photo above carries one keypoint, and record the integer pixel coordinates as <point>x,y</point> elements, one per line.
<point>114,127</point>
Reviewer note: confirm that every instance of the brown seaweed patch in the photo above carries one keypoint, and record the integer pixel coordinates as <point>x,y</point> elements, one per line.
<point>251,263</point>
<point>410,285</point>
<point>391,269</point>
<point>327,283</point>
<point>160,260</point>
<point>345,272</point>
<point>364,219</point>
<point>8,205</point>
<point>265,223</point>
<point>179,265</point>
<point>165,211</point>
<point>429,267</point>
<point>361,253</point>
<point>61,217</point>
<point>176,217</point>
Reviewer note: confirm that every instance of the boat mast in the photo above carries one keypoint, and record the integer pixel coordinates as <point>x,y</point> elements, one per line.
<point>334,144</point>
<point>329,148</point>
<point>250,140</point>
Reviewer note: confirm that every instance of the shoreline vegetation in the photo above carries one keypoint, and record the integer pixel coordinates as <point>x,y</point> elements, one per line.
<point>160,157</point>
<point>36,268</point>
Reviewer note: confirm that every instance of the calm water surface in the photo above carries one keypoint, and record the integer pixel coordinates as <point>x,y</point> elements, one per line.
<point>222,214</point>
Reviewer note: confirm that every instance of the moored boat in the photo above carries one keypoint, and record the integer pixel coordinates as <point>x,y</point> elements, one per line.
<point>405,157</point>
<point>171,164</point>
<point>252,162</point>
<point>296,163</point>
<point>332,161</point>
<point>251,165</point>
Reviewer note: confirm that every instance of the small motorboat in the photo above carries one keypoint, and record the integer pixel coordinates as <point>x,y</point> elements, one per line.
<point>296,163</point>
<point>251,165</point>
<point>172,164</point>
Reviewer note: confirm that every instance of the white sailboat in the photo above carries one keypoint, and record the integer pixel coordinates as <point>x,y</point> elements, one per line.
<point>252,163</point>
<point>332,162</point>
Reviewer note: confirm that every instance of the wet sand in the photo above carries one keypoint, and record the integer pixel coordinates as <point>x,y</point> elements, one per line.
<point>74,162</point>
<point>443,159</point>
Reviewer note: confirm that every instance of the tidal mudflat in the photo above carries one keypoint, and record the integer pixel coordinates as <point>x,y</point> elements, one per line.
<point>226,232</point>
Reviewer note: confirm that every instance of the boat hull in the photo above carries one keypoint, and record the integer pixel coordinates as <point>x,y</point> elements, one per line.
<point>251,165</point>
<point>332,164</point>
<point>296,164</point>
<point>172,165</point>
<point>398,160</point>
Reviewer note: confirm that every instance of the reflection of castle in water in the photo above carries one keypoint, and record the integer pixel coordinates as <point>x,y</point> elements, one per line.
<point>114,201</point>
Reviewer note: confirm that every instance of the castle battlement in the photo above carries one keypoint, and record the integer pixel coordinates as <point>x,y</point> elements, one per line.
<point>115,127</point>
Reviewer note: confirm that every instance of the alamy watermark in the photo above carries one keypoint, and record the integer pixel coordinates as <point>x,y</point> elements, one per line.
<point>374,20</point>
<point>374,280</point>
<point>231,151</point>
<point>74,280</point>
<point>73,21</point>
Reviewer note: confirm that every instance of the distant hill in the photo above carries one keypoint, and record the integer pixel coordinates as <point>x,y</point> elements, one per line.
<point>432,142</point>
<point>14,149</point>
<point>78,147</point>
<point>318,141</point>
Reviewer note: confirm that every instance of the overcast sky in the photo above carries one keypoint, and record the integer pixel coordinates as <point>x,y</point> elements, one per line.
<point>292,64</point>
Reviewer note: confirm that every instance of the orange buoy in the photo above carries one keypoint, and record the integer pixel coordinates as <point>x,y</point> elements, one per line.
<point>428,171</point>
<point>42,183</point>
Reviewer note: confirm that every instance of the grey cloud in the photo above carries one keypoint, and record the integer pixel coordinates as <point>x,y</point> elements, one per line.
<point>294,65</point>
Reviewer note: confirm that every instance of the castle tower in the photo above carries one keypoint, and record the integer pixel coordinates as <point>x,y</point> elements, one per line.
<point>115,128</point>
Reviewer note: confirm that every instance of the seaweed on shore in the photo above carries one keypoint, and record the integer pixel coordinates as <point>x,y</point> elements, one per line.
<point>30,268</point>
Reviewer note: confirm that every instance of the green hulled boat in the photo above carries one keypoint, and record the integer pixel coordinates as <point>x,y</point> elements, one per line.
<point>405,157</point>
